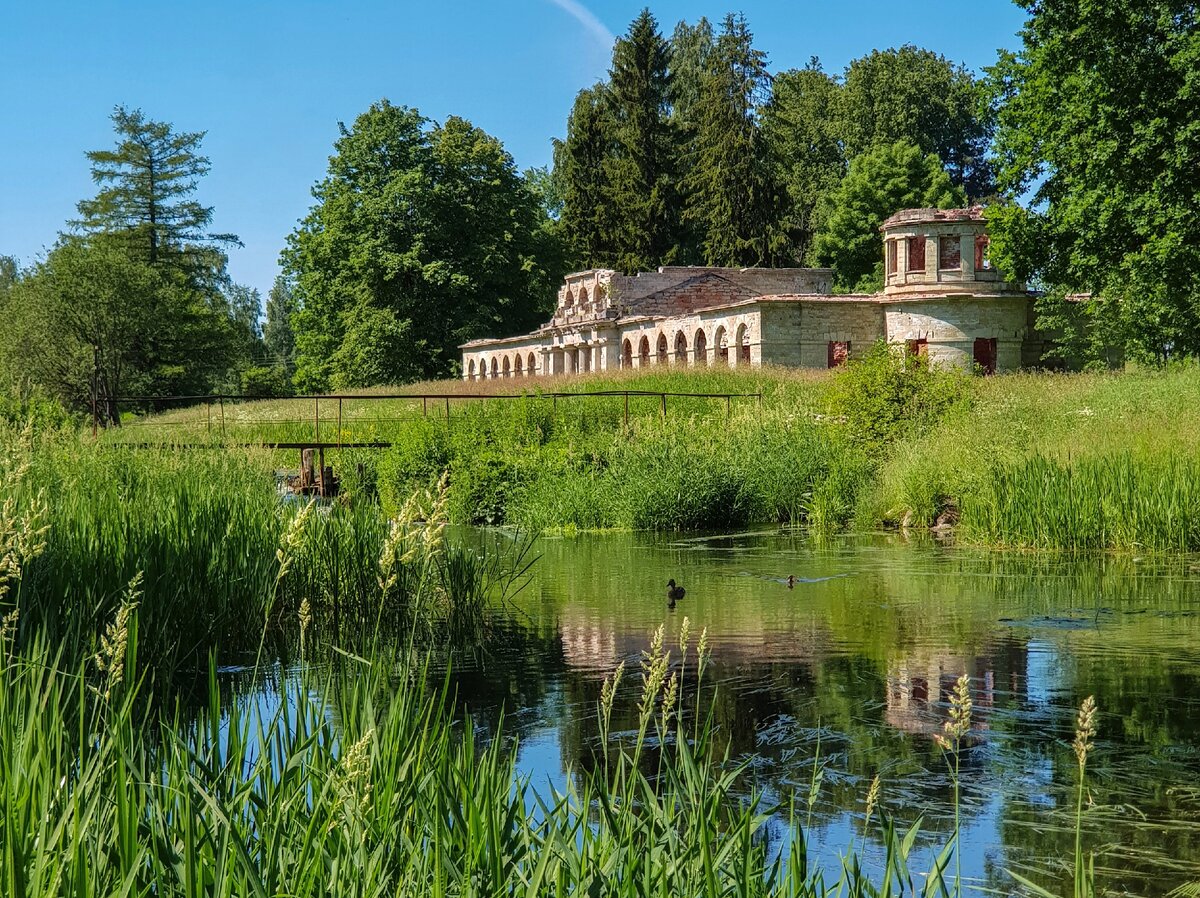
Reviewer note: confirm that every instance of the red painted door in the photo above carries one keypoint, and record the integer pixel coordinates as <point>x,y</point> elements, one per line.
<point>985,354</point>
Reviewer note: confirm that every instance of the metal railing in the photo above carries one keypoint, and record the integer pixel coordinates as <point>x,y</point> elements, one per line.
<point>439,403</point>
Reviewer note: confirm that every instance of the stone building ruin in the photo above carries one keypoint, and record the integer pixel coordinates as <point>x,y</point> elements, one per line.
<point>941,299</point>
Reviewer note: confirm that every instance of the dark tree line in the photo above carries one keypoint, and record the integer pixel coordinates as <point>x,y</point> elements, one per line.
<point>692,152</point>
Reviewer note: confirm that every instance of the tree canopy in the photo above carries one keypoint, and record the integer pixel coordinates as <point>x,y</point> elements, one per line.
<point>881,181</point>
<point>422,237</point>
<point>1098,127</point>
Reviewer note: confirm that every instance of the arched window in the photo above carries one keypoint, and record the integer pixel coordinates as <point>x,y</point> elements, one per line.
<point>644,351</point>
<point>743,342</point>
<point>471,370</point>
<point>568,299</point>
<point>517,366</point>
<point>701,348</point>
<point>583,297</point>
<point>532,369</point>
<point>722,340</point>
<point>507,369</point>
<point>495,369</point>
<point>662,350</point>
<point>681,348</point>
<point>626,354</point>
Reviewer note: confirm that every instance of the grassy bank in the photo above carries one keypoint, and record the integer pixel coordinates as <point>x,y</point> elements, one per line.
<point>216,558</point>
<point>1084,461</point>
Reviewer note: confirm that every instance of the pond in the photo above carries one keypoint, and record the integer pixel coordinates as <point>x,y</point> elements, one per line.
<point>860,655</point>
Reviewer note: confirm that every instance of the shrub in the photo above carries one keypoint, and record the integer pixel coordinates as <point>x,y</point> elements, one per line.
<point>262,382</point>
<point>885,396</point>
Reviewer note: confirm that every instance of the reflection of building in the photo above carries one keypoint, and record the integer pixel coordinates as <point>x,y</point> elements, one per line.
<point>941,298</point>
<point>919,688</point>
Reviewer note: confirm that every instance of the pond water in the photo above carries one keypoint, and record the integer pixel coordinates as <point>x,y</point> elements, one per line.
<point>862,654</point>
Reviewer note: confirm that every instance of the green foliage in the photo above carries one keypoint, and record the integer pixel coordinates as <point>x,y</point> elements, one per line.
<point>645,160</point>
<point>145,185</point>
<point>417,231</point>
<point>1097,119</point>
<point>887,396</point>
<point>733,199</point>
<point>800,126</point>
<point>880,182</point>
<point>581,170</point>
<point>263,382</point>
<point>1092,502</point>
<point>920,98</point>
<point>278,337</point>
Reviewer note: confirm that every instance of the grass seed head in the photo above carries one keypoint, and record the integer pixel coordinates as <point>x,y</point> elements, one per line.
<point>1085,730</point>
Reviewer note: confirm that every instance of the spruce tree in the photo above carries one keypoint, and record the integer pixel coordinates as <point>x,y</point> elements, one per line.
<point>733,196</point>
<point>644,163</point>
<point>581,166</point>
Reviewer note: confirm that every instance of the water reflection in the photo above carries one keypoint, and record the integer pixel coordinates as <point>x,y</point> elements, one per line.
<point>862,655</point>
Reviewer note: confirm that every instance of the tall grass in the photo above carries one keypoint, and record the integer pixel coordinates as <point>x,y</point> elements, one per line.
<point>221,562</point>
<point>1091,502</point>
<point>365,784</point>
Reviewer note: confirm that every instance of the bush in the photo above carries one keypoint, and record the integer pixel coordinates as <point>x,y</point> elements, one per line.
<point>888,395</point>
<point>262,382</point>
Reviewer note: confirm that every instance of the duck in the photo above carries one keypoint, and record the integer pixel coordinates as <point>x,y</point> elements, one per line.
<point>791,581</point>
<point>674,593</point>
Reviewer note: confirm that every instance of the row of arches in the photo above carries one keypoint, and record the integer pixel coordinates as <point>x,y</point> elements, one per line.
<point>696,353</point>
<point>503,366</point>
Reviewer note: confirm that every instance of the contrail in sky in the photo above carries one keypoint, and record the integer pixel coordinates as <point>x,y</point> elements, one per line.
<point>588,20</point>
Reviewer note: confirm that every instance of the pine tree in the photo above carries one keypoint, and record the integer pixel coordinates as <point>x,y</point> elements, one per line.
<point>642,170</point>
<point>733,196</point>
<point>800,128</point>
<point>581,165</point>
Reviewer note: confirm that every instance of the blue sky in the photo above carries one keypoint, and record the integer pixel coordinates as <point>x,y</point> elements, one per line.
<point>269,81</point>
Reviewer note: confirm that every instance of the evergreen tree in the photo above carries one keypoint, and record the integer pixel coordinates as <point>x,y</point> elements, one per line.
<point>880,182</point>
<point>691,47</point>
<point>732,195</point>
<point>642,170</point>
<point>582,163</point>
<point>146,185</point>
<point>278,336</point>
<point>801,130</point>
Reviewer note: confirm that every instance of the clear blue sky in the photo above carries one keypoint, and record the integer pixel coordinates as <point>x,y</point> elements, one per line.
<point>269,81</point>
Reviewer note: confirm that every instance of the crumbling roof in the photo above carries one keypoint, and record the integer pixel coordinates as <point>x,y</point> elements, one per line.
<point>922,216</point>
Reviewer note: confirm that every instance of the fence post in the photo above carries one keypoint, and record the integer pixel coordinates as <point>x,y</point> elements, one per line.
<point>317,419</point>
<point>425,406</point>
<point>447,408</point>
<point>339,428</point>
<point>221,399</point>
<point>664,406</point>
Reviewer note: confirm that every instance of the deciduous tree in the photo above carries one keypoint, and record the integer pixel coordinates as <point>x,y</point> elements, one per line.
<point>880,182</point>
<point>1098,125</point>
<point>421,238</point>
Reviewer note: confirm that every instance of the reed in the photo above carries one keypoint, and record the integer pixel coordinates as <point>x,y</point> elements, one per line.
<point>1122,501</point>
<point>220,561</point>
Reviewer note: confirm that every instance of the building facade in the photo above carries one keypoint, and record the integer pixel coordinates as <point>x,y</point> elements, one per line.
<point>941,298</point>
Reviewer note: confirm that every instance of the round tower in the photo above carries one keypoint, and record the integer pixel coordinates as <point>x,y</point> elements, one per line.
<point>941,296</point>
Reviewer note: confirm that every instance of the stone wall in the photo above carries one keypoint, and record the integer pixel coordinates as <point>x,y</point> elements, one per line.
<point>951,325</point>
